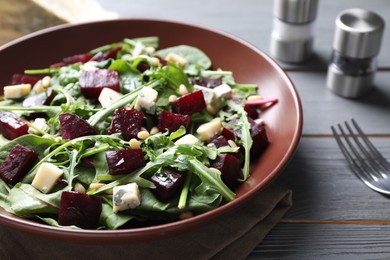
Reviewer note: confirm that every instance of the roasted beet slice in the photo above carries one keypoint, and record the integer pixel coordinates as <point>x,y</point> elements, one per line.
<point>18,162</point>
<point>23,79</point>
<point>220,141</point>
<point>260,140</point>
<point>172,121</point>
<point>92,82</point>
<point>11,126</point>
<point>190,103</point>
<point>73,126</point>
<point>251,111</point>
<point>79,209</point>
<point>124,161</point>
<point>228,134</point>
<point>127,122</point>
<point>168,183</point>
<point>44,98</point>
<point>83,58</point>
<point>229,165</point>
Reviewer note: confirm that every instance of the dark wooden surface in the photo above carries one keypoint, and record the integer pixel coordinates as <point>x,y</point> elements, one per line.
<point>334,215</point>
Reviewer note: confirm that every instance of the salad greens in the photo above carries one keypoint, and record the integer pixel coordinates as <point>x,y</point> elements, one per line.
<point>83,160</point>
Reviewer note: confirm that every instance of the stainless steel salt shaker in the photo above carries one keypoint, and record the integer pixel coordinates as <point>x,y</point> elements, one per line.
<point>356,44</point>
<point>293,33</point>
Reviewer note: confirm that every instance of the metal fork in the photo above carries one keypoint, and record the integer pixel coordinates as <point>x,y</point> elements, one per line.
<point>364,159</point>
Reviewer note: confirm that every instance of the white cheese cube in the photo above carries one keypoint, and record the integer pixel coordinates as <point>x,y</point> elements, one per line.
<point>40,124</point>
<point>46,177</point>
<point>90,65</point>
<point>210,130</point>
<point>16,91</point>
<point>147,99</point>
<point>187,139</point>
<point>108,96</point>
<point>126,197</point>
<point>177,59</point>
<point>223,91</point>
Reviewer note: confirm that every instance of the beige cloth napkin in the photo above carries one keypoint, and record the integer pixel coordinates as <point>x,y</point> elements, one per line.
<point>232,237</point>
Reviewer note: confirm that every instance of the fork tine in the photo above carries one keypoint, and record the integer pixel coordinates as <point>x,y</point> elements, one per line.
<point>372,148</point>
<point>359,171</point>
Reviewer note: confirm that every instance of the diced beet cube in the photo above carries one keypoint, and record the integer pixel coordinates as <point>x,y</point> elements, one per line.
<point>44,98</point>
<point>17,164</point>
<point>207,82</point>
<point>168,183</point>
<point>220,141</point>
<point>127,122</point>
<point>83,58</point>
<point>92,82</point>
<point>190,103</point>
<point>79,209</point>
<point>111,54</point>
<point>143,66</point>
<point>73,126</point>
<point>228,134</point>
<point>23,79</point>
<point>12,126</point>
<point>172,121</point>
<point>229,166</point>
<point>260,140</point>
<point>124,161</point>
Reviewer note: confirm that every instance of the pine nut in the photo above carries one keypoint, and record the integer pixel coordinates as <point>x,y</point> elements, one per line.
<point>143,135</point>
<point>38,87</point>
<point>134,144</point>
<point>183,90</point>
<point>172,98</point>
<point>232,143</point>
<point>254,97</point>
<point>46,81</point>
<point>154,130</point>
<point>78,187</point>
<point>215,170</point>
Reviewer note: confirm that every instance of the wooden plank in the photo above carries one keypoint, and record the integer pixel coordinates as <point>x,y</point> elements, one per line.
<point>251,20</point>
<point>322,108</point>
<point>324,188</point>
<point>291,241</point>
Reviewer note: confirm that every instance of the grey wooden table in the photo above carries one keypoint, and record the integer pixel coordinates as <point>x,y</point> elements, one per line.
<point>334,216</point>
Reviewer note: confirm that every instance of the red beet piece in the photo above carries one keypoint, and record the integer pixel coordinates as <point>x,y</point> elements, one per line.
<point>220,141</point>
<point>79,209</point>
<point>229,165</point>
<point>11,126</point>
<point>127,122</point>
<point>168,183</point>
<point>83,58</point>
<point>44,98</point>
<point>124,161</point>
<point>92,82</point>
<point>207,82</point>
<point>190,103</point>
<point>251,111</point>
<point>172,121</point>
<point>228,134</point>
<point>260,140</point>
<point>72,126</point>
<point>23,79</point>
<point>111,54</point>
<point>17,164</point>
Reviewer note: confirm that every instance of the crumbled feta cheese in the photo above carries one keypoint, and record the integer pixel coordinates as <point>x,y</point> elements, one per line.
<point>126,197</point>
<point>210,130</point>
<point>208,94</point>
<point>147,99</point>
<point>108,96</point>
<point>46,177</point>
<point>39,126</point>
<point>187,139</point>
<point>90,65</point>
<point>16,91</point>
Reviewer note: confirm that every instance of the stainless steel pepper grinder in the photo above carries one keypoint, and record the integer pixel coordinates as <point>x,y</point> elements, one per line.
<point>293,33</point>
<point>356,44</point>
